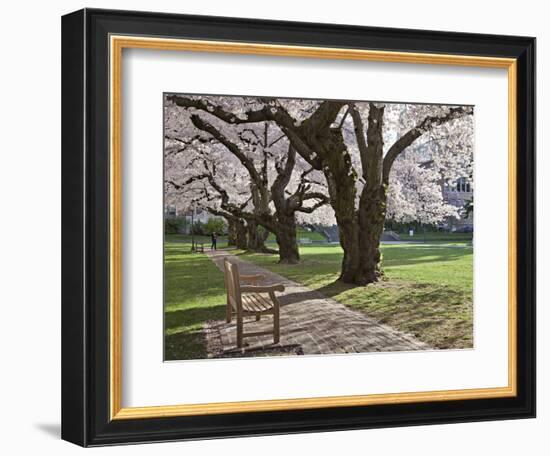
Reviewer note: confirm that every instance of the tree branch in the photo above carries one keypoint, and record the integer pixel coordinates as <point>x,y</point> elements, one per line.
<point>186,182</point>
<point>414,133</point>
<point>359,130</point>
<point>317,205</point>
<point>229,145</point>
<point>203,104</point>
<point>326,112</point>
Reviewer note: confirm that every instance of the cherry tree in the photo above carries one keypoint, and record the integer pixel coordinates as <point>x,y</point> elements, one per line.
<point>415,193</point>
<point>279,182</point>
<point>357,171</point>
<point>193,179</point>
<point>418,175</point>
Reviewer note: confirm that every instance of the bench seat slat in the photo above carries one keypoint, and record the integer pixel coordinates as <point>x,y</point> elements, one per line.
<point>249,304</point>
<point>267,303</point>
<point>255,303</point>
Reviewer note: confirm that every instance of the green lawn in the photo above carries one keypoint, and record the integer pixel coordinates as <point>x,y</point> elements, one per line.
<point>186,238</point>
<point>436,236</point>
<point>427,291</point>
<point>302,234</point>
<point>194,293</point>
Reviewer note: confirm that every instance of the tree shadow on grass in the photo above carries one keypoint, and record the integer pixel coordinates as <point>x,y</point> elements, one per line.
<point>404,256</point>
<point>423,257</point>
<point>411,256</point>
<point>437,314</point>
<point>192,316</point>
<point>187,339</point>
<point>185,345</point>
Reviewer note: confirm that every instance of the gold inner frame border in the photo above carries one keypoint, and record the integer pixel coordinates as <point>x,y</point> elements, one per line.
<point>116,46</point>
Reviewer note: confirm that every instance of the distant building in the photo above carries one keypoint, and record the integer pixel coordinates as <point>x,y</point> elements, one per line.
<point>184,213</point>
<point>458,194</point>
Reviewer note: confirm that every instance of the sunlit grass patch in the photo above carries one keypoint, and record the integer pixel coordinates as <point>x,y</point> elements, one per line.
<point>427,289</point>
<point>194,293</point>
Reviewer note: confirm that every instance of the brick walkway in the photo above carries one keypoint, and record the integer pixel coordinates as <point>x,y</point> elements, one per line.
<point>310,324</point>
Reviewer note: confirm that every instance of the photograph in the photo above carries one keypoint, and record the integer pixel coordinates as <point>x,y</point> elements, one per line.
<point>268,226</point>
<point>299,226</point>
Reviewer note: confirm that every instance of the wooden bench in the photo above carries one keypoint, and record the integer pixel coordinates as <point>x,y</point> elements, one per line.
<point>197,247</point>
<point>245,298</point>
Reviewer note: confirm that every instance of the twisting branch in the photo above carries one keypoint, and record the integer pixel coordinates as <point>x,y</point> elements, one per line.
<point>341,124</point>
<point>188,181</point>
<point>272,111</point>
<point>322,200</point>
<point>230,145</point>
<point>284,173</point>
<point>186,143</point>
<point>359,131</point>
<point>425,125</point>
<point>310,209</point>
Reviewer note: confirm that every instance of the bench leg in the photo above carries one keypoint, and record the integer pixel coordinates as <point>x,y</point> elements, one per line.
<point>239,332</point>
<point>228,313</point>
<point>258,316</point>
<point>276,334</point>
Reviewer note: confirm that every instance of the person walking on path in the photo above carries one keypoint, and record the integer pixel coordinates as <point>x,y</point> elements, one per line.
<point>214,245</point>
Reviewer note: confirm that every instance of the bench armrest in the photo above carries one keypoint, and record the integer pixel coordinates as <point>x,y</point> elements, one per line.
<point>263,288</point>
<point>252,278</point>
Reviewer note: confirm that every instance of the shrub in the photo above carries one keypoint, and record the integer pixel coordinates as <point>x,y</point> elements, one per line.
<point>215,225</point>
<point>173,225</point>
<point>198,228</point>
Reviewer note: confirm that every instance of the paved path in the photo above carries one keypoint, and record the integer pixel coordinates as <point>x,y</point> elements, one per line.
<point>310,324</point>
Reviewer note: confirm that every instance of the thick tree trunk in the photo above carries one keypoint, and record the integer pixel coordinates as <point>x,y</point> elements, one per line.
<point>372,213</point>
<point>231,233</point>
<point>263,234</point>
<point>349,236</point>
<point>360,239</point>
<point>341,179</point>
<point>256,237</point>
<point>286,238</point>
<point>240,235</point>
<point>372,203</point>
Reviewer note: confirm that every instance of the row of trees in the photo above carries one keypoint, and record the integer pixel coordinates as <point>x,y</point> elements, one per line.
<point>266,164</point>
<point>175,225</point>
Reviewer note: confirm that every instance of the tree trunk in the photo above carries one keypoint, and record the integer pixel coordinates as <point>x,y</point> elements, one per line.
<point>360,238</point>
<point>341,180</point>
<point>372,213</point>
<point>286,239</point>
<point>256,237</point>
<point>240,235</point>
<point>349,236</point>
<point>231,233</point>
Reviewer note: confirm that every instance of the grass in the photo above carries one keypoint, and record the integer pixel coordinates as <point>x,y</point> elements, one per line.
<point>194,293</point>
<point>427,289</point>
<point>436,236</point>
<point>302,234</point>
<point>186,238</point>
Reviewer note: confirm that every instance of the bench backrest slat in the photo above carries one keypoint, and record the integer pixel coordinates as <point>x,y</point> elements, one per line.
<point>232,284</point>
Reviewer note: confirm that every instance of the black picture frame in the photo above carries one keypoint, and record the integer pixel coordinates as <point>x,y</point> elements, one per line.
<point>85,225</point>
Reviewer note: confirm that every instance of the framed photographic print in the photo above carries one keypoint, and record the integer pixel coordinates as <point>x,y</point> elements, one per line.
<point>278,227</point>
